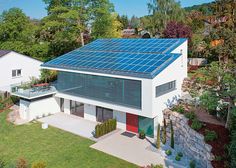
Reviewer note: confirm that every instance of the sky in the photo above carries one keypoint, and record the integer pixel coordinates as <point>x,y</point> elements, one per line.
<point>36,8</point>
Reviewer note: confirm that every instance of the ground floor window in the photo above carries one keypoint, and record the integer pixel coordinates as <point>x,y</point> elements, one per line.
<point>62,104</point>
<point>103,114</point>
<point>77,108</point>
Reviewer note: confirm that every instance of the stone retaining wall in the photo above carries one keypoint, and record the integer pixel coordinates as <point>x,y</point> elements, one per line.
<point>192,142</point>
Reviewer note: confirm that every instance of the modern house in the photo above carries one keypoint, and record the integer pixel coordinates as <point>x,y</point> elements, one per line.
<point>131,80</point>
<point>16,68</point>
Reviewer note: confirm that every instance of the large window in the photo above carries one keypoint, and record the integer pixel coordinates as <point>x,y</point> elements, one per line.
<point>165,88</point>
<point>112,90</point>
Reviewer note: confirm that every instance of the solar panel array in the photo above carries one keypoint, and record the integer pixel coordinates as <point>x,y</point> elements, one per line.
<point>133,45</point>
<point>143,58</point>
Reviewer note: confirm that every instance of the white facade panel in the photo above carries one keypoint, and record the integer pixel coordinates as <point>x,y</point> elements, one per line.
<point>12,61</point>
<point>120,118</point>
<point>175,71</point>
<point>90,112</point>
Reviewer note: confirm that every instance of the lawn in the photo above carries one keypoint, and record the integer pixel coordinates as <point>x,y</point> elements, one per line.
<point>59,149</point>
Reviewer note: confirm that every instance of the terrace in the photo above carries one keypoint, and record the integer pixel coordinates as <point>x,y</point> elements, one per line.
<point>34,91</point>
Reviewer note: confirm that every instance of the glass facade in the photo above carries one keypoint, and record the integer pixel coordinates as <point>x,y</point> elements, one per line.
<point>112,90</point>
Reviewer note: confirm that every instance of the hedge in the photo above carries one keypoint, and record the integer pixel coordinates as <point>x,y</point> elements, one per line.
<point>104,128</point>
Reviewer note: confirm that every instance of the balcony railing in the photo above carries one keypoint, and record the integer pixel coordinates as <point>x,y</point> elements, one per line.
<point>35,91</point>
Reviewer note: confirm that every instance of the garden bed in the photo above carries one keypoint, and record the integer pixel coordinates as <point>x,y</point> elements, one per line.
<point>218,145</point>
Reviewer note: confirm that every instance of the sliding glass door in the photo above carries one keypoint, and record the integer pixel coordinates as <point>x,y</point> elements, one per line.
<point>103,114</point>
<point>77,108</point>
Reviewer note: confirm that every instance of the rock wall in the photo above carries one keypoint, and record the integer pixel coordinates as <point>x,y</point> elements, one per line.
<point>192,142</point>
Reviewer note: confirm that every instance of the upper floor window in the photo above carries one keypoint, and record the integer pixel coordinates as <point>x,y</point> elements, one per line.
<point>16,73</point>
<point>165,88</point>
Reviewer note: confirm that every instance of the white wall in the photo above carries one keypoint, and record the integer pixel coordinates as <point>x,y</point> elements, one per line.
<point>90,112</point>
<point>175,71</point>
<point>11,61</point>
<point>32,110</point>
<point>120,118</point>
<point>24,109</point>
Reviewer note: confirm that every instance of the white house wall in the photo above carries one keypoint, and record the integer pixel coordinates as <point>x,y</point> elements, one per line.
<point>12,61</point>
<point>175,71</point>
<point>44,107</point>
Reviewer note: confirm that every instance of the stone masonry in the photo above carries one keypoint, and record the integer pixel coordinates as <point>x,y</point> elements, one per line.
<point>192,142</point>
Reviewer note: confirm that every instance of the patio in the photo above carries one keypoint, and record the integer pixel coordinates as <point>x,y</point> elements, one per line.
<point>133,150</point>
<point>71,123</point>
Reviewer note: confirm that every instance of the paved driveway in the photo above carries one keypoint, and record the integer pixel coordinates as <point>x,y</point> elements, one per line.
<point>71,123</point>
<point>131,149</point>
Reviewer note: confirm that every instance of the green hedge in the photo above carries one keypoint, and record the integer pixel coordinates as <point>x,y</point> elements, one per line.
<point>104,128</point>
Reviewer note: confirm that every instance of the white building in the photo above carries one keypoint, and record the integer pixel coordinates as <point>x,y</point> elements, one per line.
<point>131,80</point>
<point>16,68</point>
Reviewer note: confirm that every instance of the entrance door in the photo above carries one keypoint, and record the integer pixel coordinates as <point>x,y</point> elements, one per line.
<point>62,104</point>
<point>77,108</point>
<point>132,122</point>
<point>103,114</point>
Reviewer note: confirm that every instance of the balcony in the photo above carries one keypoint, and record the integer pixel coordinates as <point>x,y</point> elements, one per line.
<point>35,91</point>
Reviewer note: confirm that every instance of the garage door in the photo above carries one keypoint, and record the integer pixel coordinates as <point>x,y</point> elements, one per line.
<point>132,122</point>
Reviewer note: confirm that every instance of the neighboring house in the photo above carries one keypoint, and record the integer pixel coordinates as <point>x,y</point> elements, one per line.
<point>16,68</point>
<point>131,80</point>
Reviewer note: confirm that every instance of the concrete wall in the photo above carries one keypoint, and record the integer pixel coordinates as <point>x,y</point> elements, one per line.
<point>39,108</point>
<point>12,61</point>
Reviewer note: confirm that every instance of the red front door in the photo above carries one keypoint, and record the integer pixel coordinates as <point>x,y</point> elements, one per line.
<point>132,122</point>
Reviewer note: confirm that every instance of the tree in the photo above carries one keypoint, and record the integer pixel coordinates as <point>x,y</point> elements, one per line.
<point>177,30</point>
<point>158,145</point>
<point>219,79</point>
<point>16,31</point>
<point>172,141</point>
<point>123,19</point>
<point>104,21</point>
<point>164,132</point>
<point>164,11</point>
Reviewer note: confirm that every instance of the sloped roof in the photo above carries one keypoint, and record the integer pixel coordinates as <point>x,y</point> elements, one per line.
<point>143,58</point>
<point>4,52</point>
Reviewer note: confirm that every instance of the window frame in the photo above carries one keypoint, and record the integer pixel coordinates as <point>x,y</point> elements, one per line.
<point>16,73</point>
<point>165,88</point>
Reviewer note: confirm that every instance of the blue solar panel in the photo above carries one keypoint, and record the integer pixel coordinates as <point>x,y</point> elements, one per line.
<point>133,45</point>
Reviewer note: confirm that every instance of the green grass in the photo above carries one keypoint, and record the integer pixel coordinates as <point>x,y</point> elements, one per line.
<point>59,149</point>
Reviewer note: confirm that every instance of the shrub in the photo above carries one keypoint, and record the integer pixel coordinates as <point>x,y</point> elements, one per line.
<point>180,109</point>
<point>232,149</point>
<point>196,125</point>
<point>142,134</point>
<point>21,163</point>
<point>158,145</point>
<point>156,166</point>
<point>209,101</point>
<point>2,163</point>
<point>192,164</point>
<point>164,133</point>
<point>168,152</point>
<point>39,165</point>
<point>190,115</point>
<point>218,158</point>
<point>15,99</point>
<point>104,128</point>
<point>177,158</point>
<point>210,136</point>
<point>180,154</point>
<point>172,141</point>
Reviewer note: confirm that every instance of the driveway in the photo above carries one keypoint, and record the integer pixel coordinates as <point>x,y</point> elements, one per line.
<point>131,149</point>
<point>71,123</point>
